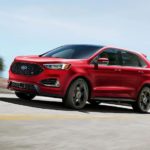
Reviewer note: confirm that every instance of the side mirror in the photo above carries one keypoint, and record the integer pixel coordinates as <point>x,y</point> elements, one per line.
<point>103,61</point>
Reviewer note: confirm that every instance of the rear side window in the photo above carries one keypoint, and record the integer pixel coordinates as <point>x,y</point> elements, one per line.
<point>130,59</point>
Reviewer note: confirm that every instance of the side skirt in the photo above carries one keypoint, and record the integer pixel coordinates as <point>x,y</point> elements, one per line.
<point>114,99</point>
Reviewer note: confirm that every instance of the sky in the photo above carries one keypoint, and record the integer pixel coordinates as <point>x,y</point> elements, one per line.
<point>30,27</point>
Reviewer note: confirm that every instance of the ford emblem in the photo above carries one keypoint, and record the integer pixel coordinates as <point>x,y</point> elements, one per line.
<point>24,67</point>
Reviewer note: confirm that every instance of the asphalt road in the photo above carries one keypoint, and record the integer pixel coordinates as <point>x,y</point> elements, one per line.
<point>44,124</point>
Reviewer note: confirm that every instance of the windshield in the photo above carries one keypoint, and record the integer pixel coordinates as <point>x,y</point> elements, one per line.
<point>73,51</point>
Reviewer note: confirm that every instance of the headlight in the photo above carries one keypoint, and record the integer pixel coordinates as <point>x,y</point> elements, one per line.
<point>57,66</point>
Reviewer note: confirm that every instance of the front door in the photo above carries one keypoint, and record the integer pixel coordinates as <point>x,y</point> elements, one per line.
<point>107,81</point>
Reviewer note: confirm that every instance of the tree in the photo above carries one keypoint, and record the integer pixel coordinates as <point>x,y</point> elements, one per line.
<point>1,65</point>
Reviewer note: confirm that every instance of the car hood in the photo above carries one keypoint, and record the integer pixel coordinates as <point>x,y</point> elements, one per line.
<point>38,59</point>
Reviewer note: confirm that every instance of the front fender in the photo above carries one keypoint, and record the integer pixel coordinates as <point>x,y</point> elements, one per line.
<point>73,75</point>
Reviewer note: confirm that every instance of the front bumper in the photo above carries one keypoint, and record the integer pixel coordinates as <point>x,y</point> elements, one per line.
<point>22,82</point>
<point>34,88</point>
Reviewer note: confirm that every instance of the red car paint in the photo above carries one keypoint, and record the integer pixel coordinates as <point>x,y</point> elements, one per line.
<point>105,81</point>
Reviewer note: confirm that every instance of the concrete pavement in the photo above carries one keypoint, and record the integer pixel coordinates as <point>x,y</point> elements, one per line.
<point>45,124</point>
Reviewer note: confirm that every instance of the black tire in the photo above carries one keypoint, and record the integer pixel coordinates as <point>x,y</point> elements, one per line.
<point>94,102</point>
<point>142,105</point>
<point>25,96</point>
<point>77,94</point>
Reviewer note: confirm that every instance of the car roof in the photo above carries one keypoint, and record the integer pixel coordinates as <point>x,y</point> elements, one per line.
<point>108,46</point>
<point>125,49</point>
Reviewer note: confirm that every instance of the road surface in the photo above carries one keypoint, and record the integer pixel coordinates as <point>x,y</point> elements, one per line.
<point>44,124</point>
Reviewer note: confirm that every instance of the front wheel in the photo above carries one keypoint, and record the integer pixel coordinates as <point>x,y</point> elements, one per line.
<point>25,96</point>
<point>77,94</point>
<point>143,103</point>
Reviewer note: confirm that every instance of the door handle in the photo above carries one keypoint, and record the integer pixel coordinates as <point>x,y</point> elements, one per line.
<point>117,70</point>
<point>142,72</point>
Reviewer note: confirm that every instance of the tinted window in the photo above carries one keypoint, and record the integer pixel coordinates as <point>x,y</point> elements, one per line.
<point>113,55</point>
<point>130,59</point>
<point>143,64</point>
<point>73,52</point>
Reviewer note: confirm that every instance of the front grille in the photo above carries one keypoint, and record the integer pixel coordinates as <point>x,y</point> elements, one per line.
<point>22,86</point>
<point>26,69</point>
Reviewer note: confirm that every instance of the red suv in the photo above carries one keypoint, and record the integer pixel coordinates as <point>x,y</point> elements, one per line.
<point>81,73</point>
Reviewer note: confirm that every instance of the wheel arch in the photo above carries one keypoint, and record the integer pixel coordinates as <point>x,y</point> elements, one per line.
<point>140,89</point>
<point>75,78</point>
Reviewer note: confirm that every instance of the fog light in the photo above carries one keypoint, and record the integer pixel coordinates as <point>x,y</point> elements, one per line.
<point>57,84</point>
<point>51,82</point>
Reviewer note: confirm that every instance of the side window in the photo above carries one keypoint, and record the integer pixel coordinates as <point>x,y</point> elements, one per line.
<point>143,64</point>
<point>113,55</point>
<point>130,59</point>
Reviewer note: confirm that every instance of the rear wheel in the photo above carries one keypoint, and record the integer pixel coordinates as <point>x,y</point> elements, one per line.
<point>143,103</point>
<point>25,96</point>
<point>77,95</point>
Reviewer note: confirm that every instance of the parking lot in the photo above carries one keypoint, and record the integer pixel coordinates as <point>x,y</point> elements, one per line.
<point>44,123</point>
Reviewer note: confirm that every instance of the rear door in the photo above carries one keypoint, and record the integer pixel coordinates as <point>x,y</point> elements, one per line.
<point>132,73</point>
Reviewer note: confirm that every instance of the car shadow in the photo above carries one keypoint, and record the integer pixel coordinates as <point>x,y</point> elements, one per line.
<point>59,106</point>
